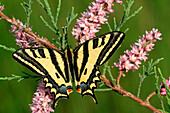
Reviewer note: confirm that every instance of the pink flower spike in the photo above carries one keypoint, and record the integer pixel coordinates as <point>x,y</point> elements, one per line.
<point>163,90</point>
<point>24,40</point>
<point>138,52</point>
<point>41,101</point>
<point>89,24</point>
<point>2,8</point>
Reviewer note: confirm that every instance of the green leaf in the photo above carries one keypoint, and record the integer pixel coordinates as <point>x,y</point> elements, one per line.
<point>48,10</point>
<point>114,23</point>
<point>28,11</point>
<point>110,29</point>
<point>126,30</point>
<point>158,87</point>
<point>107,89</point>
<point>58,11</point>
<point>164,80</point>
<point>7,48</point>
<point>168,100</point>
<point>20,78</point>
<point>147,71</point>
<point>70,17</point>
<point>46,23</point>
<point>126,15</point>
<point>10,78</point>
<point>42,5</point>
<point>157,61</point>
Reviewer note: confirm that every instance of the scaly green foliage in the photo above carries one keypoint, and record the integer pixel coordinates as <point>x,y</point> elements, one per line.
<point>28,11</point>
<point>20,78</point>
<point>126,15</point>
<point>54,21</point>
<point>7,48</point>
<point>158,87</point>
<point>147,71</point>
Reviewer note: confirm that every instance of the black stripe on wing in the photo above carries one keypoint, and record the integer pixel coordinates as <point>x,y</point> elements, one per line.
<point>58,92</point>
<point>115,40</point>
<point>91,84</point>
<point>55,63</point>
<point>23,58</point>
<point>85,58</point>
<point>41,52</point>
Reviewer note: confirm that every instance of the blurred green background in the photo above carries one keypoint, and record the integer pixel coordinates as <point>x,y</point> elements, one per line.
<point>15,97</point>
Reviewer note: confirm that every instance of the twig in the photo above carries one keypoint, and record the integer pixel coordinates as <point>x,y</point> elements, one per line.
<point>119,76</point>
<point>37,38</point>
<point>128,94</point>
<point>152,94</point>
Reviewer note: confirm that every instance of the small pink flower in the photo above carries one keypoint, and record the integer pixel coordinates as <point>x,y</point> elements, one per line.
<point>2,8</point>
<point>24,40</point>
<point>119,1</point>
<point>91,20</point>
<point>132,58</point>
<point>41,101</point>
<point>163,90</point>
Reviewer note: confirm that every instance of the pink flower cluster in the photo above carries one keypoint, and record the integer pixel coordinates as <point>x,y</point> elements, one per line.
<point>24,40</point>
<point>90,22</point>
<point>163,89</point>
<point>2,8</point>
<point>132,58</point>
<point>41,101</point>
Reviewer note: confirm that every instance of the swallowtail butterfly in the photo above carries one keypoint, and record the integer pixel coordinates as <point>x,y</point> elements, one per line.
<point>60,67</point>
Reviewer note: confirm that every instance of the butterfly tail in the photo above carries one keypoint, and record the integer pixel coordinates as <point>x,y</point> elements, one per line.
<point>91,84</point>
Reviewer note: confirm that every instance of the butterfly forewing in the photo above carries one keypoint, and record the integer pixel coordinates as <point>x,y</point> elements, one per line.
<point>91,54</point>
<point>49,63</point>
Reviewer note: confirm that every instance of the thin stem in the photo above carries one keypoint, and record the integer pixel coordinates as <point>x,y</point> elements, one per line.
<point>152,94</point>
<point>119,76</point>
<point>107,68</point>
<point>7,48</point>
<point>110,29</point>
<point>17,77</point>
<point>108,89</point>
<point>64,37</point>
<point>29,12</point>
<point>158,87</point>
<point>104,68</point>
<point>126,15</point>
<point>139,87</point>
<point>110,74</point>
<point>120,90</point>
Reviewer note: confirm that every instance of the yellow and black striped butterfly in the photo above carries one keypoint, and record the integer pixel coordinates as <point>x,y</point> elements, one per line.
<point>60,67</point>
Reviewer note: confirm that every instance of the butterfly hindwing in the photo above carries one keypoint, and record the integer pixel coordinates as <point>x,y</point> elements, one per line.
<point>90,55</point>
<point>52,65</point>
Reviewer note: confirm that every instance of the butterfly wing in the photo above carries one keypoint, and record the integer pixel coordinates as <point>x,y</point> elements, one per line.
<point>52,65</point>
<point>90,55</point>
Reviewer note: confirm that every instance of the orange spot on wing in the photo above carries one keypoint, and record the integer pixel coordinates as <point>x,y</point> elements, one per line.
<point>78,90</point>
<point>70,90</point>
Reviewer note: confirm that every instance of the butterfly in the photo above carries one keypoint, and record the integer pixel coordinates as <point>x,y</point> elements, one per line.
<point>81,65</point>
